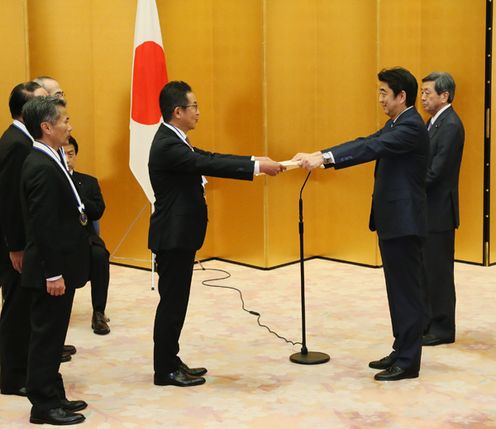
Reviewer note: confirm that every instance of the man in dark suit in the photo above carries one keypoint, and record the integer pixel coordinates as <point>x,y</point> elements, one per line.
<point>56,257</point>
<point>95,206</point>
<point>53,88</point>
<point>15,145</point>
<point>178,224</point>
<point>400,150</point>
<point>447,137</point>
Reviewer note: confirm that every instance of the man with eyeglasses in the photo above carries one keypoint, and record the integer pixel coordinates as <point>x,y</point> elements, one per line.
<point>51,86</point>
<point>179,222</point>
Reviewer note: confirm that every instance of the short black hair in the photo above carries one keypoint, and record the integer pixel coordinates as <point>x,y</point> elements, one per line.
<point>38,110</point>
<point>400,79</point>
<point>19,96</point>
<point>443,82</point>
<point>173,94</point>
<point>73,142</point>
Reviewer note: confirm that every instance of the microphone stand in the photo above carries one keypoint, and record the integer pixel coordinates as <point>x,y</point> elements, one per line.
<point>305,357</point>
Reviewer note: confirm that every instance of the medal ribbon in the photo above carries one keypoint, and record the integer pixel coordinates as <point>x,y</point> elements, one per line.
<point>52,154</point>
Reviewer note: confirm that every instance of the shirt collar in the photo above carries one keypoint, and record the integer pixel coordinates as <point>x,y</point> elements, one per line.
<point>22,127</point>
<point>434,118</point>
<point>179,132</point>
<point>395,119</point>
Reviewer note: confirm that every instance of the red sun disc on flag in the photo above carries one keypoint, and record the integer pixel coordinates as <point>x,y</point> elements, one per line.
<point>149,77</point>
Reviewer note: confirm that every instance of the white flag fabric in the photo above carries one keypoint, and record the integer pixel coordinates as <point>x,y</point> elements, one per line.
<point>148,78</point>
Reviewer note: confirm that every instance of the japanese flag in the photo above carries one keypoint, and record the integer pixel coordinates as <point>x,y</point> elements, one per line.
<point>149,77</point>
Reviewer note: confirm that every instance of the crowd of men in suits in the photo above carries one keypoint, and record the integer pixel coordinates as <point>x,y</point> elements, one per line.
<point>50,246</point>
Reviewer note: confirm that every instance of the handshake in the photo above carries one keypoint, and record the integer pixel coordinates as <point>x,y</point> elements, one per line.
<point>309,161</point>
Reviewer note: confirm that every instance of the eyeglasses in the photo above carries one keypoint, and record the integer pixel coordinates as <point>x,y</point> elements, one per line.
<point>194,106</point>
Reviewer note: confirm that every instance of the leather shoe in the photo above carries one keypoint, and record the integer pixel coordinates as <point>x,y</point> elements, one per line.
<point>99,323</point>
<point>18,392</point>
<point>383,363</point>
<point>69,349</point>
<point>395,373</point>
<point>432,340</point>
<point>177,378</point>
<point>73,405</point>
<point>66,357</point>
<point>195,372</point>
<point>56,416</point>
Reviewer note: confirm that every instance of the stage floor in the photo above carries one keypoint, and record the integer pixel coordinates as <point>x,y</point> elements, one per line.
<point>251,384</point>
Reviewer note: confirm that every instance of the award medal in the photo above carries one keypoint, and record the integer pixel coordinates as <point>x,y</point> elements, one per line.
<point>83,218</point>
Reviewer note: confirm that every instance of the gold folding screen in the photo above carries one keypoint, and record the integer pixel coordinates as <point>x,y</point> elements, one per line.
<point>272,77</point>
<point>14,63</point>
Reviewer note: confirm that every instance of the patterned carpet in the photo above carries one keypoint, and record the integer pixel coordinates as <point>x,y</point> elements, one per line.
<point>251,384</point>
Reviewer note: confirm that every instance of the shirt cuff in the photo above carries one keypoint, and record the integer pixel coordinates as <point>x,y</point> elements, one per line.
<point>328,158</point>
<point>256,168</point>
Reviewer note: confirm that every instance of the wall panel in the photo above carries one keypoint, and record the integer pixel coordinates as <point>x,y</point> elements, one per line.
<point>237,215</point>
<point>320,93</point>
<point>14,66</point>
<point>455,43</point>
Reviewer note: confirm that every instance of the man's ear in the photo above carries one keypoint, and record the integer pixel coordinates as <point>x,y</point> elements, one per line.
<point>176,112</point>
<point>46,127</point>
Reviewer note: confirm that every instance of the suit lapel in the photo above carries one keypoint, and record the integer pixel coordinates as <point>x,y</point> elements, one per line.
<point>439,121</point>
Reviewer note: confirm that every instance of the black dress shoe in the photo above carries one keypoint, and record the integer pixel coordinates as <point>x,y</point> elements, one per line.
<point>99,323</point>
<point>19,392</point>
<point>56,416</point>
<point>73,405</point>
<point>69,349</point>
<point>177,378</point>
<point>195,372</point>
<point>66,357</point>
<point>383,363</point>
<point>432,340</point>
<point>395,373</point>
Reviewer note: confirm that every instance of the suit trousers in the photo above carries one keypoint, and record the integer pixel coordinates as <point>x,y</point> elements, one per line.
<point>99,277</point>
<point>175,270</point>
<point>49,322</point>
<point>14,331</point>
<point>439,284</point>
<point>402,262</point>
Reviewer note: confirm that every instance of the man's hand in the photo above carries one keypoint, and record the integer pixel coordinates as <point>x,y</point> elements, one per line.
<point>56,287</point>
<point>270,167</point>
<point>309,161</point>
<point>16,259</point>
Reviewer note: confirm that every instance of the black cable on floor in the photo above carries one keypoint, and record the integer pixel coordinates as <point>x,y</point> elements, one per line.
<point>243,307</point>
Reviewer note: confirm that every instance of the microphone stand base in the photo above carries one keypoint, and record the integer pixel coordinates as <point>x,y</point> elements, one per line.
<point>310,358</point>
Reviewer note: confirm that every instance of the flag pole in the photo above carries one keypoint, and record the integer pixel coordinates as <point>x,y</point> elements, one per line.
<point>153,263</point>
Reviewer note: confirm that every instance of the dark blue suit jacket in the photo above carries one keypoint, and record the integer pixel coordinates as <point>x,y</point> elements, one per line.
<point>401,151</point>
<point>446,142</point>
